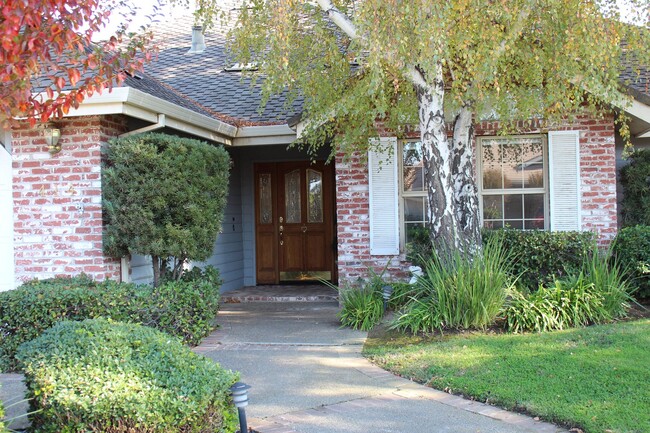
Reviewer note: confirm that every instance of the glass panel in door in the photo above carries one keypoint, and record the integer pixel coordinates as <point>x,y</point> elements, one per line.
<point>292,197</point>
<point>314,196</point>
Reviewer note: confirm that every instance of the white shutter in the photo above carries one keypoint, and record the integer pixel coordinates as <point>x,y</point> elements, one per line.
<point>6,222</point>
<point>564,180</point>
<point>384,213</point>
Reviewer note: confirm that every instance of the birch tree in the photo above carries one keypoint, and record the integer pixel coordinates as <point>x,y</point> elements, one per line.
<point>439,66</point>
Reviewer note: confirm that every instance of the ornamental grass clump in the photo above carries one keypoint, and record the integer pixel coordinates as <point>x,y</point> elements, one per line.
<point>599,293</point>
<point>102,376</point>
<point>458,292</point>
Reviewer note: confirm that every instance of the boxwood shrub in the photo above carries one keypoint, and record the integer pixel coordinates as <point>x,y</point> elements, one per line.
<point>632,251</point>
<point>182,308</point>
<point>103,376</point>
<point>540,257</point>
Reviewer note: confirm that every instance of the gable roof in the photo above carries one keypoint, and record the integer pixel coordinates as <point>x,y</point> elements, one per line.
<point>201,77</point>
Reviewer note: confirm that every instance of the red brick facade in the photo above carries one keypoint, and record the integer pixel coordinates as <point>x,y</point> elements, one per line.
<point>57,200</point>
<point>598,192</point>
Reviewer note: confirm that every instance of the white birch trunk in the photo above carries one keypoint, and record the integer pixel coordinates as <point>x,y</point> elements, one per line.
<point>437,154</point>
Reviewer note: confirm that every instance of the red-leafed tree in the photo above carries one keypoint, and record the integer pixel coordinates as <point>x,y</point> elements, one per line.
<point>48,62</point>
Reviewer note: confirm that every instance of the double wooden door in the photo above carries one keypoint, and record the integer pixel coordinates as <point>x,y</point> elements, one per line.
<point>294,229</point>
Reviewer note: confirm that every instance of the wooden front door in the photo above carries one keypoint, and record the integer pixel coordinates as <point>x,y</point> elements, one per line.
<point>294,231</point>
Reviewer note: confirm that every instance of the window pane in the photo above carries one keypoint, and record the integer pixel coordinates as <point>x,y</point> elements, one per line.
<point>492,207</point>
<point>413,167</point>
<point>315,196</point>
<point>412,230</point>
<point>511,157</point>
<point>266,206</point>
<point>533,163</point>
<point>492,224</point>
<point>492,165</point>
<point>534,224</point>
<point>414,209</point>
<point>513,206</point>
<point>514,224</point>
<point>292,197</point>
<point>534,206</point>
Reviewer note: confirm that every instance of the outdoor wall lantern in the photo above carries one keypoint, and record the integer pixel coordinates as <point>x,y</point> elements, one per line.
<point>239,392</point>
<point>52,136</point>
<point>387,290</point>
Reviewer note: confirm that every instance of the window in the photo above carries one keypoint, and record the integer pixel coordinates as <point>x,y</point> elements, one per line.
<point>413,194</point>
<point>513,184</point>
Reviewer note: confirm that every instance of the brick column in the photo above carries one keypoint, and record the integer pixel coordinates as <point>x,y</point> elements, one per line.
<point>57,200</point>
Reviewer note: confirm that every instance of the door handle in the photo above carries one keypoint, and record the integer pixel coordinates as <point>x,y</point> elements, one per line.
<point>304,229</point>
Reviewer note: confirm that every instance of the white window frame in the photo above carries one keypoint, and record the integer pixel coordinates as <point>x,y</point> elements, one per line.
<point>544,190</point>
<point>406,194</point>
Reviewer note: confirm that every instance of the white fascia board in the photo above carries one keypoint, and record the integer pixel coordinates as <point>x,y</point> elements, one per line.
<point>638,110</point>
<point>141,105</point>
<point>264,135</point>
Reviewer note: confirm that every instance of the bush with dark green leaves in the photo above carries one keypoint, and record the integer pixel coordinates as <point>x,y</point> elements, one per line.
<point>164,196</point>
<point>632,251</point>
<point>541,257</point>
<point>635,179</point>
<point>186,309</point>
<point>111,377</point>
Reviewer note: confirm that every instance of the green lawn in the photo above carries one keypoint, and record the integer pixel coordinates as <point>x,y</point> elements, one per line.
<point>596,378</point>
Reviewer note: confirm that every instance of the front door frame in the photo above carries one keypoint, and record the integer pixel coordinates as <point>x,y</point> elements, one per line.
<point>267,236</point>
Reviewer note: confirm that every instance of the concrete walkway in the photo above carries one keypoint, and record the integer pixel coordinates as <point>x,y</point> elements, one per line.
<point>308,376</point>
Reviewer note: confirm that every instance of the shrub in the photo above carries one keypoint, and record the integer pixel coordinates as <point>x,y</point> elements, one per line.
<point>101,376</point>
<point>636,189</point>
<point>458,292</point>
<point>402,294</point>
<point>3,429</point>
<point>597,294</point>
<point>632,251</point>
<point>541,257</point>
<point>184,309</point>
<point>164,196</point>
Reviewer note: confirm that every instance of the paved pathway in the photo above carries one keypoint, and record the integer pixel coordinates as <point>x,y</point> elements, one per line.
<point>308,376</point>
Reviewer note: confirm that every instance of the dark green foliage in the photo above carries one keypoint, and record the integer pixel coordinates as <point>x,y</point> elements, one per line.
<point>597,294</point>
<point>540,257</point>
<point>402,294</point>
<point>632,251</point>
<point>419,247</point>
<point>102,376</point>
<point>635,178</point>
<point>164,196</point>
<point>458,292</point>
<point>184,308</point>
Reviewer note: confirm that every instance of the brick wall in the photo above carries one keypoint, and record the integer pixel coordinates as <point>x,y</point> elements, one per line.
<point>57,200</point>
<point>598,190</point>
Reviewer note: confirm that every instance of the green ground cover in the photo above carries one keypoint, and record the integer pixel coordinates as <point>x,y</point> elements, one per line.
<point>593,378</point>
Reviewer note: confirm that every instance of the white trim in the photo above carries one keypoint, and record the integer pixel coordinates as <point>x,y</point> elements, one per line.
<point>553,175</point>
<point>383,165</point>
<point>141,105</point>
<point>7,258</point>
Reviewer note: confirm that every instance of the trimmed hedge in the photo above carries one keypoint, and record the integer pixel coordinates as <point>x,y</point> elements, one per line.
<point>102,376</point>
<point>632,251</point>
<point>540,257</point>
<point>182,308</point>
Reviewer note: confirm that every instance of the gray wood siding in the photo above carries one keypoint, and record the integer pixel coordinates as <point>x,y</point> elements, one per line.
<point>228,254</point>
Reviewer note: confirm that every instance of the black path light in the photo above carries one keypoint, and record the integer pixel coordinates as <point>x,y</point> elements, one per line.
<point>239,392</point>
<point>387,291</point>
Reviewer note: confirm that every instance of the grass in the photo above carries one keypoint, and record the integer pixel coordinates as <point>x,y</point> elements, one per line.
<point>593,378</point>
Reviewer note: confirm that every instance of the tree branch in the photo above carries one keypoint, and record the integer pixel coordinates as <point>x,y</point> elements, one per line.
<point>339,18</point>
